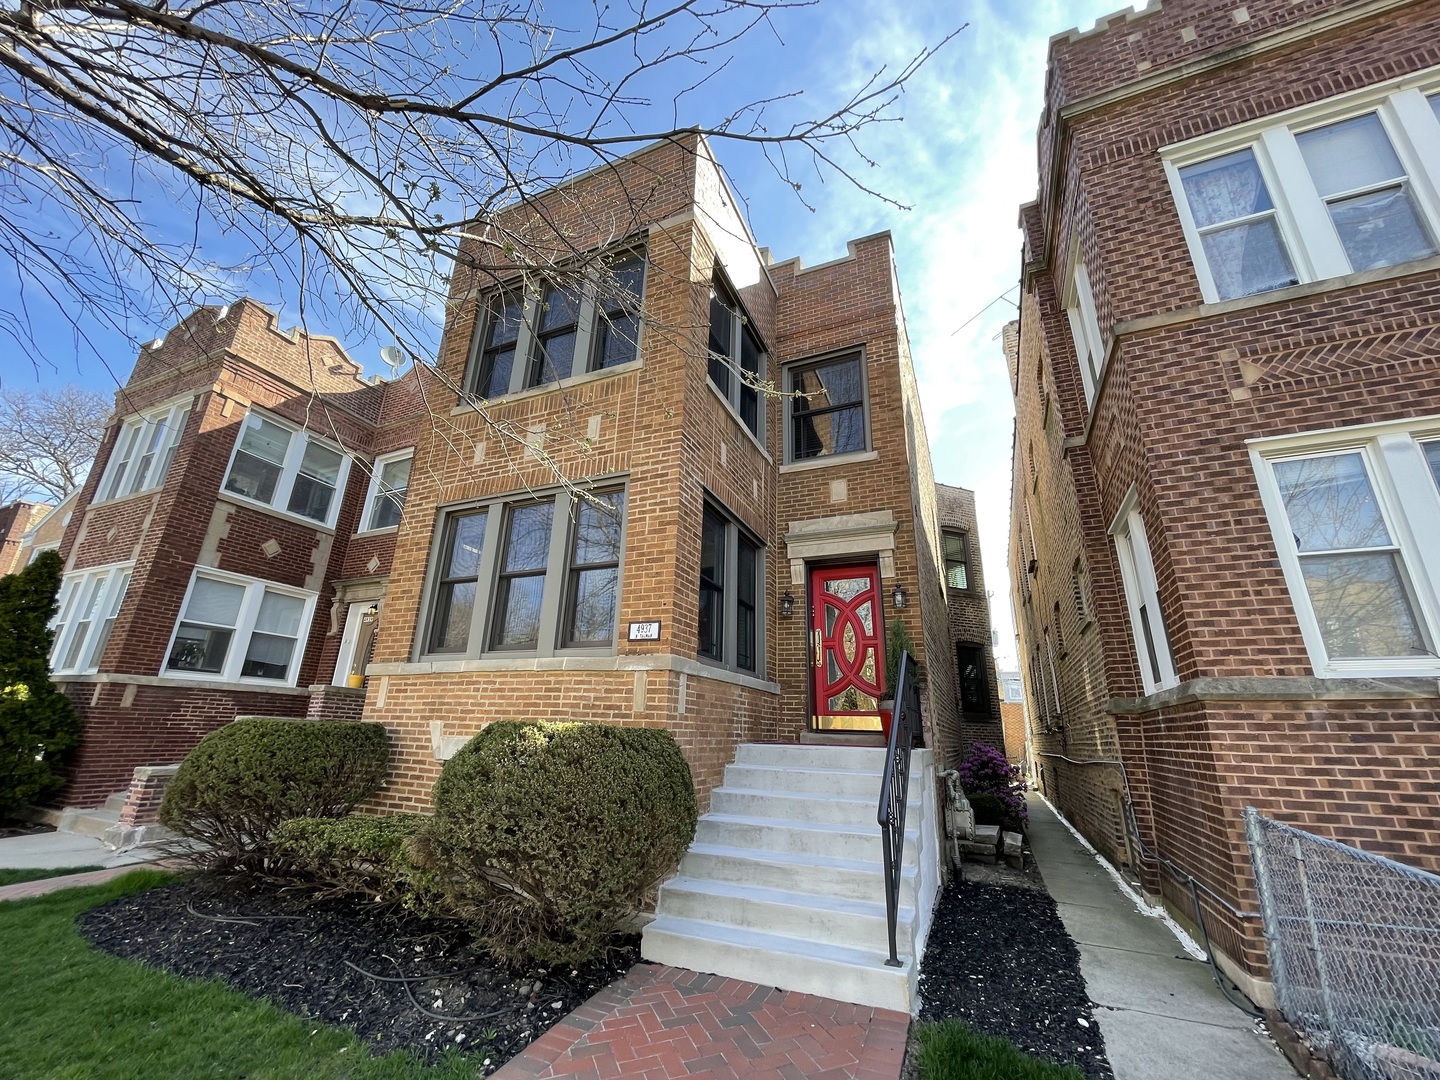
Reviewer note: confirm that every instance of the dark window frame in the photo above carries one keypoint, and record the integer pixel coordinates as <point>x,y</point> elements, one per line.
<point>946,535</point>
<point>979,685</point>
<point>729,650</point>
<point>797,367</point>
<point>596,305</point>
<point>725,369</point>
<point>553,632</point>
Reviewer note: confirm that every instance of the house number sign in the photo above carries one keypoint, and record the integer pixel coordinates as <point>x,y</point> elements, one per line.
<point>645,631</point>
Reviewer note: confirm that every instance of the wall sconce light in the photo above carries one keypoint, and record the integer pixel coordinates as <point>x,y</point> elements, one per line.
<point>899,596</point>
<point>787,604</point>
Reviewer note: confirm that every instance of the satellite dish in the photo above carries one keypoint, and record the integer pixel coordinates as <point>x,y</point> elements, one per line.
<point>394,358</point>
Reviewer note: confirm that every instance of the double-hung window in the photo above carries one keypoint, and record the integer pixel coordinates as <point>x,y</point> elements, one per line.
<point>736,358</point>
<point>389,481</point>
<point>1085,330</point>
<point>584,318</point>
<point>143,451</point>
<point>235,629</point>
<point>827,408</point>
<point>279,466</point>
<point>731,586</point>
<point>1142,598</point>
<point>974,690</point>
<point>1355,513</point>
<point>956,563</point>
<point>530,575</point>
<point>87,606</point>
<point>1341,187</point>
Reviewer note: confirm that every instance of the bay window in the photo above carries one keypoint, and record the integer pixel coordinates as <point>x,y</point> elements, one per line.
<point>732,574</point>
<point>86,608</point>
<point>735,357</point>
<point>144,448</point>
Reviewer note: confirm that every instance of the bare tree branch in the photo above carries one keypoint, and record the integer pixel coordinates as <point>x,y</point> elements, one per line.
<point>47,440</point>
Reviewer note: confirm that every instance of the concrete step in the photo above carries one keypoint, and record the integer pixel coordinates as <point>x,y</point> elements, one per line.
<point>797,756</point>
<point>860,924</point>
<point>826,970</point>
<point>116,802</point>
<point>88,822</point>
<point>827,839</point>
<point>799,807</point>
<point>854,879</point>
<point>854,783</point>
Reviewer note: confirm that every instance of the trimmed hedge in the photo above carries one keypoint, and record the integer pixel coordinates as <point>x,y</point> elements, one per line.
<point>360,853</point>
<point>236,787</point>
<point>547,834</point>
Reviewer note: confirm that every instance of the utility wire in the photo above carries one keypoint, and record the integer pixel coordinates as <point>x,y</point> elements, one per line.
<point>986,308</point>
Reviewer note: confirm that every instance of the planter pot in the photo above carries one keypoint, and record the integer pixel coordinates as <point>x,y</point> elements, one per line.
<point>886,708</point>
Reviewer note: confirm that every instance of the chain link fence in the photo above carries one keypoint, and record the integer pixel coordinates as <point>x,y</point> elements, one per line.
<point>1354,950</point>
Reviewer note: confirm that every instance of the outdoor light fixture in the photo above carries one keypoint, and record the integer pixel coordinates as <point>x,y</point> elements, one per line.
<point>899,596</point>
<point>787,604</point>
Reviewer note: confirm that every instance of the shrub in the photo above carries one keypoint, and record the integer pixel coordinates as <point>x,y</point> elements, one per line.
<point>360,853</point>
<point>547,834</point>
<point>236,787</point>
<point>989,780</point>
<point>897,641</point>
<point>37,725</point>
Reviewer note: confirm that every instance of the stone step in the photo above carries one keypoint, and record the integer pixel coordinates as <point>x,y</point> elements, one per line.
<point>116,802</point>
<point>798,756</point>
<point>88,822</point>
<point>854,879</point>
<point>854,783</point>
<point>801,807</point>
<point>827,839</point>
<point>860,924</point>
<point>826,970</point>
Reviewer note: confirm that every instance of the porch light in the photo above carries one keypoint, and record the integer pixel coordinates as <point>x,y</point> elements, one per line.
<point>898,599</point>
<point>787,604</point>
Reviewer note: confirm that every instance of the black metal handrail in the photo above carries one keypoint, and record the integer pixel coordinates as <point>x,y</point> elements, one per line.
<point>895,789</point>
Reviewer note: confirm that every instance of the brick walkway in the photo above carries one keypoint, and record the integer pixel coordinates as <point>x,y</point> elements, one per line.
<point>663,1023</point>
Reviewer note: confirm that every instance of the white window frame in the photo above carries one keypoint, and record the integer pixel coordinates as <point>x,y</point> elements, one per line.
<point>1304,222</point>
<point>372,493</point>
<point>1085,330</point>
<point>112,583</point>
<point>532,294</point>
<point>289,471</point>
<point>1137,574</point>
<point>1409,502</point>
<point>123,471</point>
<point>255,590</point>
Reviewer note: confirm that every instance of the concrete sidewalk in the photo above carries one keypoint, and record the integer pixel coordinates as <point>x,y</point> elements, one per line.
<point>53,850</point>
<point>1159,1009</point>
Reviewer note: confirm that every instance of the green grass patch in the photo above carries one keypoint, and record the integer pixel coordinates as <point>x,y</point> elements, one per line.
<point>951,1051</point>
<point>15,877</point>
<point>72,1012</point>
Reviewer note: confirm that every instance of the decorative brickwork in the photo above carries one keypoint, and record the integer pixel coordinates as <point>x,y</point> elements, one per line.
<point>1184,387</point>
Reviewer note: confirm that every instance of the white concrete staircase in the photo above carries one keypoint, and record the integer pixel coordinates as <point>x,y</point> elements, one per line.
<point>784,884</point>
<point>96,821</point>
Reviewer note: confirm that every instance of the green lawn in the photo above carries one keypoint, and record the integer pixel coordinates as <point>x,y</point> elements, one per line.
<point>951,1051</point>
<point>72,1012</point>
<point>15,877</point>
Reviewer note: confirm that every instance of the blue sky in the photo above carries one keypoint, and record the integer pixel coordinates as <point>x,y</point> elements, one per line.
<point>962,160</point>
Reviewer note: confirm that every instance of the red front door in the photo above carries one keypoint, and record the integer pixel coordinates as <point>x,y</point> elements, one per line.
<point>847,658</point>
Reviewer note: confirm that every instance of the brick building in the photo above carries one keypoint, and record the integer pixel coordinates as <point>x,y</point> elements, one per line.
<point>666,482</point>
<point>971,641</point>
<point>1227,447</point>
<point>16,520</point>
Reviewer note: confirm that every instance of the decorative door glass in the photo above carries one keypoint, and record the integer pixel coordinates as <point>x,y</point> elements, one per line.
<point>846,649</point>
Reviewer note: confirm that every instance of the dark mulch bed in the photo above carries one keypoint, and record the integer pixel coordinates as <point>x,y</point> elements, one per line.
<point>282,944</point>
<point>999,960</point>
<point>12,827</point>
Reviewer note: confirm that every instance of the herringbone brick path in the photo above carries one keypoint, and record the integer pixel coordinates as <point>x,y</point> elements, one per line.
<point>664,1023</point>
